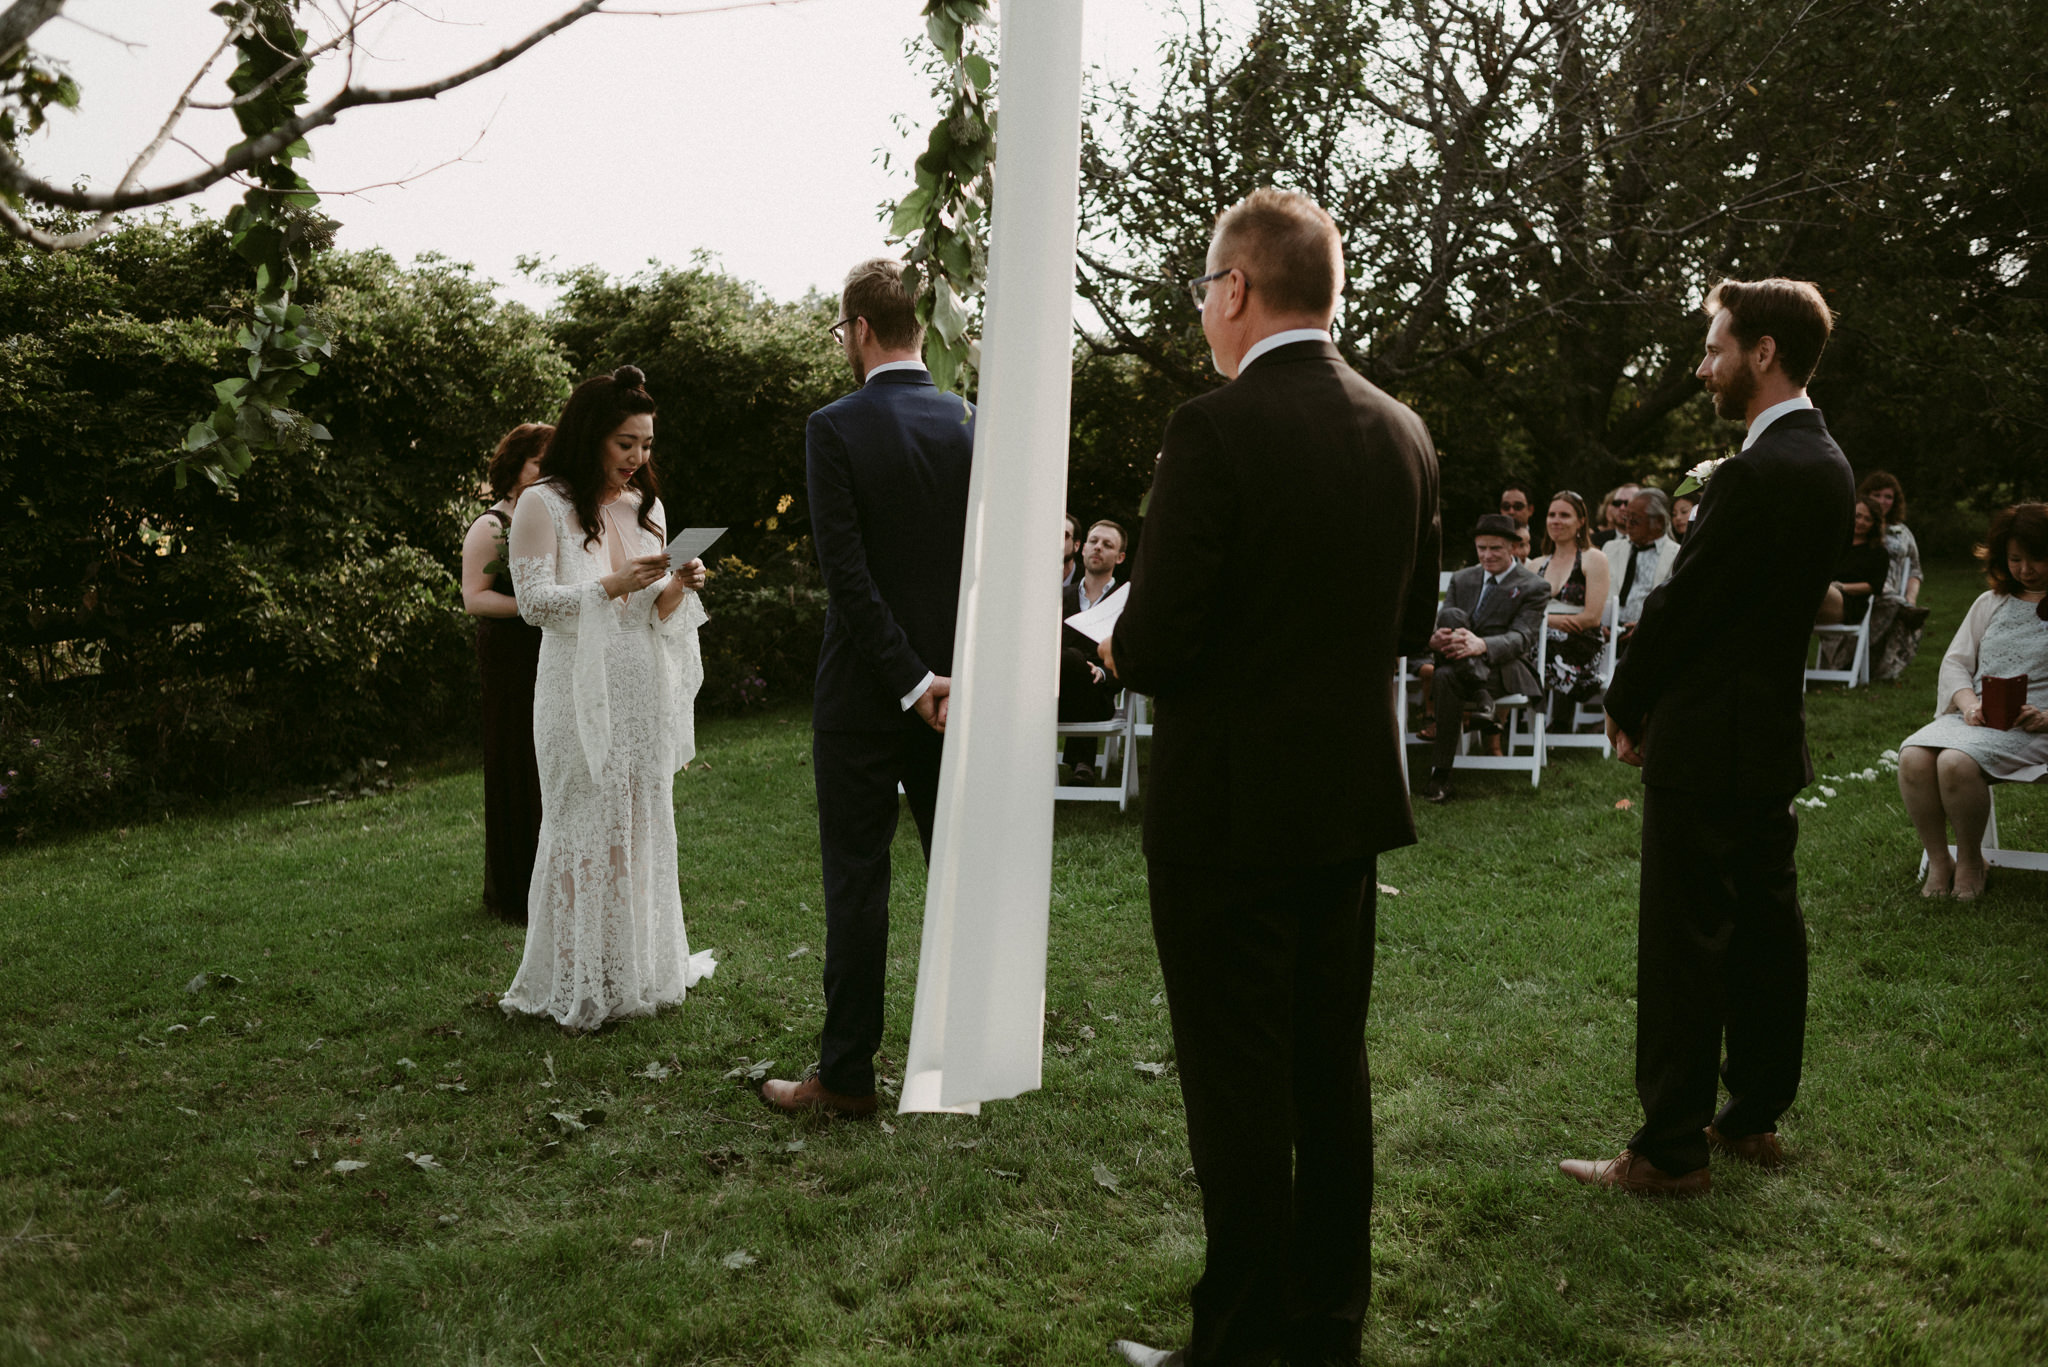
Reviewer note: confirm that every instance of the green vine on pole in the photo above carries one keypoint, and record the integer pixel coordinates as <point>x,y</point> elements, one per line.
<point>273,228</point>
<point>945,219</point>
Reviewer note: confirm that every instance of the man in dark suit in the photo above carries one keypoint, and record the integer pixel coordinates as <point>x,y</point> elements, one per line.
<point>1276,776</point>
<point>1485,642</point>
<point>1710,704</point>
<point>888,490</point>
<point>1087,693</point>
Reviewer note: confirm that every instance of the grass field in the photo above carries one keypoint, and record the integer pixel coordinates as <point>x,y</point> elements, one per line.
<point>168,1144</point>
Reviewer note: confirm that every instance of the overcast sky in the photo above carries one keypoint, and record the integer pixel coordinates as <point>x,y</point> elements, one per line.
<point>755,134</point>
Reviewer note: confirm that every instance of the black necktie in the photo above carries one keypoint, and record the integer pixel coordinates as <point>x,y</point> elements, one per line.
<point>1628,576</point>
<point>1485,585</point>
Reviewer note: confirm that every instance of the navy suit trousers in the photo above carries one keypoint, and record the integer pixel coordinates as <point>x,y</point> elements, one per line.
<point>857,773</point>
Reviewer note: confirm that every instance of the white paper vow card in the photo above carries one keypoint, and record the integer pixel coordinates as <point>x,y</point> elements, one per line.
<point>1099,621</point>
<point>690,544</point>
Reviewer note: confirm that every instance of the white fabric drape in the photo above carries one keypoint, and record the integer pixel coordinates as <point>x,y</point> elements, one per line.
<point>977,1031</point>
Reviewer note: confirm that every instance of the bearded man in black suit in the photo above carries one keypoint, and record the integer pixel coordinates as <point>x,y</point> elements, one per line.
<point>1710,704</point>
<point>1262,874</point>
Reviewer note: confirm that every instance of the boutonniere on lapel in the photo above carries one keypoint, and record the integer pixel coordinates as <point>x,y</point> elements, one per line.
<point>1697,477</point>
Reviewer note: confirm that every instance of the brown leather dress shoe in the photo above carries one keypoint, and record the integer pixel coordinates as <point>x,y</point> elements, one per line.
<point>1760,1150</point>
<point>813,1095</point>
<point>1636,1175</point>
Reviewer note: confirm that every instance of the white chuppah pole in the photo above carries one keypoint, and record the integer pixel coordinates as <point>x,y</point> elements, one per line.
<point>978,1027</point>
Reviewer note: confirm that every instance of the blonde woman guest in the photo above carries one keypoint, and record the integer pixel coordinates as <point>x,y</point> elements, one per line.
<point>1945,767</point>
<point>612,721</point>
<point>1577,573</point>
<point>507,654</point>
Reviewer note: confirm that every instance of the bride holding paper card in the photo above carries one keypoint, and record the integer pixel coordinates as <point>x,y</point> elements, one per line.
<point>1991,724</point>
<point>612,718</point>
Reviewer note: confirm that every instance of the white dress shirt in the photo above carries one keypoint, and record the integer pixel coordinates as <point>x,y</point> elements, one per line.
<point>1771,415</point>
<point>1646,561</point>
<point>887,366</point>
<point>1280,339</point>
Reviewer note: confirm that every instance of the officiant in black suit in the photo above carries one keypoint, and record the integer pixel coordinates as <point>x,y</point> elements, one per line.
<point>1276,775</point>
<point>888,493</point>
<point>1484,642</point>
<point>1710,703</point>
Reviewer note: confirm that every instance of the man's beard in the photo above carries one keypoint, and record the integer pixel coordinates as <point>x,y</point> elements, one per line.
<point>1731,400</point>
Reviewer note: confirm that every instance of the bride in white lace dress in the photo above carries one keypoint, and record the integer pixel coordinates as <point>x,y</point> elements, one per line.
<point>612,717</point>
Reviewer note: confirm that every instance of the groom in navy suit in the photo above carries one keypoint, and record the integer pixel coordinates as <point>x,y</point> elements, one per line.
<point>888,490</point>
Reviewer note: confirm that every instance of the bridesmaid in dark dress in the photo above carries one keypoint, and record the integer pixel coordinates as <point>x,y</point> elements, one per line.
<point>507,655</point>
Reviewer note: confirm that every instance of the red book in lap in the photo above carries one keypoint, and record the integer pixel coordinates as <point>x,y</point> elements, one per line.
<point>2003,699</point>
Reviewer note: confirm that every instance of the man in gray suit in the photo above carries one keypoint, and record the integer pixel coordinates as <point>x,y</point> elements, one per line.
<point>1485,642</point>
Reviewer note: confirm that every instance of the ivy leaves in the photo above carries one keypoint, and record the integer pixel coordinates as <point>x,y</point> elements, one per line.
<point>946,216</point>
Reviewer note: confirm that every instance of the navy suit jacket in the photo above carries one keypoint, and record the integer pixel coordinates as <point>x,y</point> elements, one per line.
<point>888,467</point>
<point>1714,681</point>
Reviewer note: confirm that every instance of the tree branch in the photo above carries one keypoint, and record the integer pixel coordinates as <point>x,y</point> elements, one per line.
<point>20,20</point>
<point>14,176</point>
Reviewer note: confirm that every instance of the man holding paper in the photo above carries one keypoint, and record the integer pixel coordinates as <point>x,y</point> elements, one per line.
<point>1087,693</point>
<point>888,489</point>
<point>1268,805</point>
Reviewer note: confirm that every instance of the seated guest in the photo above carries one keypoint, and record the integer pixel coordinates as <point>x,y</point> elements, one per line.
<point>1645,556</point>
<point>1613,510</point>
<point>1485,642</point>
<point>1068,548</point>
<point>1945,767</point>
<point>1897,618</point>
<point>1576,571</point>
<point>1518,503</point>
<point>1522,547</point>
<point>1681,515</point>
<point>1087,692</point>
<point>1859,574</point>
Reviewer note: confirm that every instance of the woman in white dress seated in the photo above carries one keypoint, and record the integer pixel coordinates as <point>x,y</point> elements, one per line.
<point>612,721</point>
<point>1945,767</point>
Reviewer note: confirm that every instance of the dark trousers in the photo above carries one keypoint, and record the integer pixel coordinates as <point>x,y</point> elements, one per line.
<point>1267,979</point>
<point>1720,953</point>
<point>1454,684</point>
<point>857,773</point>
<point>1083,699</point>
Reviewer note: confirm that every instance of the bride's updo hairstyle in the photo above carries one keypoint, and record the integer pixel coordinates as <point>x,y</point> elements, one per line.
<point>575,459</point>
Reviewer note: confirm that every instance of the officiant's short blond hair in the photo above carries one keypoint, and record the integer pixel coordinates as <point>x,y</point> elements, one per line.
<point>1287,247</point>
<point>874,291</point>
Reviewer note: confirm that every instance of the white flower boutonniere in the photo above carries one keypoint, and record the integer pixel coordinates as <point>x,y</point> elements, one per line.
<point>1697,477</point>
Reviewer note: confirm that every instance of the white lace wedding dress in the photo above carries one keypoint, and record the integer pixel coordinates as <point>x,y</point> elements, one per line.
<point>612,722</point>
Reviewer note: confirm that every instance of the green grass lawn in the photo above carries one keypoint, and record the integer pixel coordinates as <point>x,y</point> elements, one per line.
<point>168,1189</point>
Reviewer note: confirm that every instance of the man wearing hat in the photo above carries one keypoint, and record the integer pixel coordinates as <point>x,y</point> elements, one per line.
<point>1485,642</point>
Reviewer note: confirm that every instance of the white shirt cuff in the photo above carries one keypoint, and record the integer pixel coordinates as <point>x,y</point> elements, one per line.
<point>923,686</point>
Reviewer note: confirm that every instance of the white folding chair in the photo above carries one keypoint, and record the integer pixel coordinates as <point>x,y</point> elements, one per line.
<point>1407,677</point>
<point>1119,737</point>
<point>1997,856</point>
<point>1573,736</point>
<point>1858,673</point>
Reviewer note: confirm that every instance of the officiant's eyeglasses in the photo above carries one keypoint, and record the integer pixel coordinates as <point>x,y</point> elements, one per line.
<point>838,329</point>
<point>1198,288</point>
